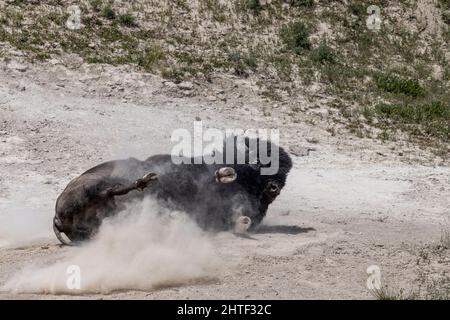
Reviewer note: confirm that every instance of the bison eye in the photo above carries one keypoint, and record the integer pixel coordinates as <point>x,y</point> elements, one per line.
<point>273,187</point>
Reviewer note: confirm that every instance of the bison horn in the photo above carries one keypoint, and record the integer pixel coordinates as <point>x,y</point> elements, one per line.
<point>59,235</point>
<point>225,175</point>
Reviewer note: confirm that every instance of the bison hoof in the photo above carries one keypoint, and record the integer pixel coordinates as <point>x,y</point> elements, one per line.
<point>225,175</point>
<point>142,183</point>
<point>242,224</point>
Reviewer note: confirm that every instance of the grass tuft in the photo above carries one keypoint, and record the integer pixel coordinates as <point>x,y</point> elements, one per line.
<point>323,54</point>
<point>295,36</point>
<point>394,84</point>
<point>127,20</point>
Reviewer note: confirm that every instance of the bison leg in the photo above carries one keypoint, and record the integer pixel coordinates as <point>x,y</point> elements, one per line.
<point>139,184</point>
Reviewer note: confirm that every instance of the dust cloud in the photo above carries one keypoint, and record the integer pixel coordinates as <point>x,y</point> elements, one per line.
<point>25,219</point>
<point>142,248</point>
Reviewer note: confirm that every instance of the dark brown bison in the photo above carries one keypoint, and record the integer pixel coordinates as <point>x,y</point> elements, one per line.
<point>215,196</point>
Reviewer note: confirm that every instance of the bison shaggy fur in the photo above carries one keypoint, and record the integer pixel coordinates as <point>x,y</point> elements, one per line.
<point>196,189</point>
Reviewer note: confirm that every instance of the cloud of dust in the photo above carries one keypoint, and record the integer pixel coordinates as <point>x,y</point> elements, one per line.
<point>143,247</point>
<point>26,216</point>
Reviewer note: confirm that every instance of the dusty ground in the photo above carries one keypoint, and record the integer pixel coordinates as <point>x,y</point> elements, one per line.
<point>349,203</point>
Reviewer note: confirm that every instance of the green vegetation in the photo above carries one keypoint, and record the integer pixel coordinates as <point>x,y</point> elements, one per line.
<point>109,13</point>
<point>253,5</point>
<point>394,84</point>
<point>430,120</point>
<point>242,62</point>
<point>357,8</point>
<point>150,57</point>
<point>127,20</point>
<point>323,54</point>
<point>295,36</point>
<point>282,48</point>
<point>302,3</point>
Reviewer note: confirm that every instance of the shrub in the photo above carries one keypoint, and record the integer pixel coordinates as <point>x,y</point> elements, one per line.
<point>415,113</point>
<point>358,9</point>
<point>302,3</point>
<point>253,5</point>
<point>395,84</point>
<point>109,13</point>
<point>127,20</point>
<point>323,54</point>
<point>242,61</point>
<point>150,57</point>
<point>432,119</point>
<point>295,36</point>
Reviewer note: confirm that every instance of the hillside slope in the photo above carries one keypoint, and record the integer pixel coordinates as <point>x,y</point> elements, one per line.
<point>390,84</point>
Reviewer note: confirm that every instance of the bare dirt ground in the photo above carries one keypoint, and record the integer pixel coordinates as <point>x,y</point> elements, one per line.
<point>349,203</point>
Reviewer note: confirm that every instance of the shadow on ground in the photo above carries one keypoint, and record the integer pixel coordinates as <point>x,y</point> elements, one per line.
<point>283,229</point>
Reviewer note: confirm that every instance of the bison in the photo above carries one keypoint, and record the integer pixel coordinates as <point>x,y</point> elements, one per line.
<point>215,196</point>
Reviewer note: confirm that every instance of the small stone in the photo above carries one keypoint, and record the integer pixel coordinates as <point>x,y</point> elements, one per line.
<point>17,66</point>
<point>186,85</point>
<point>299,151</point>
<point>312,140</point>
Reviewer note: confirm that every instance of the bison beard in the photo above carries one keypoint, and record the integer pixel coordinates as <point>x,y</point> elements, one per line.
<point>215,196</point>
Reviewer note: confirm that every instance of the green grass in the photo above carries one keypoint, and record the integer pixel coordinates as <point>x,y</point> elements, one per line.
<point>239,36</point>
<point>127,20</point>
<point>385,293</point>
<point>253,5</point>
<point>108,13</point>
<point>357,8</point>
<point>302,3</point>
<point>415,114</point>
<point>150,57</point>
<point>323,54</point>
<point>422,121</point>
<point>394,84</point>
<point>283,66</point>
<point>243,62</point>
<point>295,36</point>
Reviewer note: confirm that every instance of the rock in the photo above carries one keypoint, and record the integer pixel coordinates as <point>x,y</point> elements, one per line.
<point>18,66</point>
<point>312,140</point>
<point>170,84</point>
<point>54,62</point>
<point>437,73</point>
<point>186,85</point>
<point>300,151</point>
<point>212,98</point>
